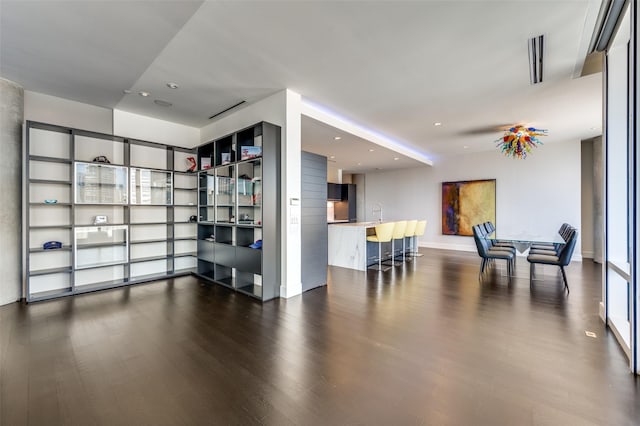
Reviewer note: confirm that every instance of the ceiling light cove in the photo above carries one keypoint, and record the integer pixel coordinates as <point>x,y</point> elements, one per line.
<point>324,115</point>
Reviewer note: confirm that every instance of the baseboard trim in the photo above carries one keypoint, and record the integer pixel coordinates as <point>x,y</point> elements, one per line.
<point>289,291</point>
<point>587,254</point>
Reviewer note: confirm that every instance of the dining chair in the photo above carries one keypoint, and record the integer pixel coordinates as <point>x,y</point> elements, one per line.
<point>488,253</point>
<point>384,234</point>
<point>421,226</point>
<point>408,235</point>
<point>398,234</point>
<point>562,259</point>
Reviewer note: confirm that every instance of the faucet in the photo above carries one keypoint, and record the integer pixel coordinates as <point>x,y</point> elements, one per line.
<point>378,210</point>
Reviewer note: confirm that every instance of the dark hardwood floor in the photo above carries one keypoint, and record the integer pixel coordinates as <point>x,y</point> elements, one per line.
<point>426,344</point>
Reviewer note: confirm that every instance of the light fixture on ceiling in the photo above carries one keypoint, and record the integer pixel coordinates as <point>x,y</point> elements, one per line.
<point>371,149</point>
<point>536,50</point>
<point>143,93</point>
<point>518,141</point>
<point>172,85</point>
<point>337,138</point>
<point>359,164</point>
<point>332,157</point>
<point>162,103</point>
<point>127,91</point>
<point>396,158</point>
<point>437,123</point>
<point>466,147</point>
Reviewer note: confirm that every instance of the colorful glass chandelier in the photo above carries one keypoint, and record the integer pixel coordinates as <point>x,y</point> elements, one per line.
<point>518,141</point>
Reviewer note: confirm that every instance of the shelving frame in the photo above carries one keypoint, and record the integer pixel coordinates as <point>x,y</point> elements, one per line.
<point>51,155</point>
<point>239,203</point>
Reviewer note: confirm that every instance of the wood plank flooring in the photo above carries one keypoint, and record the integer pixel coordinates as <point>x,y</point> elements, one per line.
<point>423,344</point>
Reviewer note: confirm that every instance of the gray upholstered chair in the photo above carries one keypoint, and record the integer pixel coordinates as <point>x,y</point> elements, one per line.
<point>561,259</point>
<point>488,253</point>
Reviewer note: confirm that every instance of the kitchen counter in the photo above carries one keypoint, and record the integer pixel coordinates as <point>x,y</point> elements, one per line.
<point>348,244</point>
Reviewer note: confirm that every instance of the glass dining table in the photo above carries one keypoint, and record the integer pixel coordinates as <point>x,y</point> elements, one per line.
<point>523,241</point>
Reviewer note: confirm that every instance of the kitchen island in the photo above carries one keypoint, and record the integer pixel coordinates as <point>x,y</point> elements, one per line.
<point>348,244</point>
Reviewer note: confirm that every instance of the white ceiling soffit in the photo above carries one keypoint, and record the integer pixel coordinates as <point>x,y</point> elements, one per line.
<point>393,66</point>
<point>351,153</point>
<point>87,51</point>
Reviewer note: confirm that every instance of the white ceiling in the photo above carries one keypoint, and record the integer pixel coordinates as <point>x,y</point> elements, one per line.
<point>391,66</point>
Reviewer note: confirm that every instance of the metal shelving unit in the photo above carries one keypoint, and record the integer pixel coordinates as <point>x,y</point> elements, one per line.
<point>54,154</point>
<point>236,196</point>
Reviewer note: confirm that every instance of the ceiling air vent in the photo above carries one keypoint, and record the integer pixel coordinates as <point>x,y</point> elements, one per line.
<point>226,110</point>
<point>536,49</point>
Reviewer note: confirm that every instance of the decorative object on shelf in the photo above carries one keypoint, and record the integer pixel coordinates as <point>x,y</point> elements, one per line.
<point>52,245</point>
<point>193,218</point>
<point>210,238</point>
<point>466,203</point>
<point>191,162</point>
<point>225,158</point>
<point>101,159</point>
<point>248,152</point>
<point>518,141</point>
<point>205,163</point>
<point>100,220</point>
<point>50,201</point>
<point>257,245</point>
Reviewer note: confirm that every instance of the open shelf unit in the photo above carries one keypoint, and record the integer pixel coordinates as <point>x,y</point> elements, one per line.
<point>239,205</point>
<point>129,220</point>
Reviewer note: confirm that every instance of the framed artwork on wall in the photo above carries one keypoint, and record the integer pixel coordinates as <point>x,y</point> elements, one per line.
<point>467,203</point>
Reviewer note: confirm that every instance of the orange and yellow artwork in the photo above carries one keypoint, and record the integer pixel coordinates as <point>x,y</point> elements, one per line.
<point>467,203</point>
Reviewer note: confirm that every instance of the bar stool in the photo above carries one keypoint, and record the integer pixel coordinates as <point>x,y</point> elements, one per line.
<point>398,234</point>
<point>408,233</point>
<point>384,234</point>
<point>421,226</point>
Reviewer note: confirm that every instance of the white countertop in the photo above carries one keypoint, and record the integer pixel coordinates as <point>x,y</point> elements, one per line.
<point>359,224</point>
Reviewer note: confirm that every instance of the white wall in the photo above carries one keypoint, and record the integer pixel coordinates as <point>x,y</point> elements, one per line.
<point>65,112</point>
<point>144,128</point>
<point>535,195</point>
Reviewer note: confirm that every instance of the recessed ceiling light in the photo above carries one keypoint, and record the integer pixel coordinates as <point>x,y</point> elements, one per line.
<point>465,147</point>
<point>172,85</point>
<point>144,94</point>
<point>359,164</point>
<point>337,138</point>
<point>332,157</point>
<point>437,123</point>
<point>594,128</point>
<point>396,158</point>
<point>127,91</point>
<point>162,103</point>
<point>371,149</point>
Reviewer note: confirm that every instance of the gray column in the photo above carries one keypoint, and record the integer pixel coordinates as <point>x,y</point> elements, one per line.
<point>11,118</point>
<point>598,200</point>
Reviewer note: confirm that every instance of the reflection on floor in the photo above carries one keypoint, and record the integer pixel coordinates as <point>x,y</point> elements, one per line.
<point>422,344</point>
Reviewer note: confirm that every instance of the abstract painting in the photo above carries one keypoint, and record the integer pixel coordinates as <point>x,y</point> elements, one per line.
<point>467,203</point>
